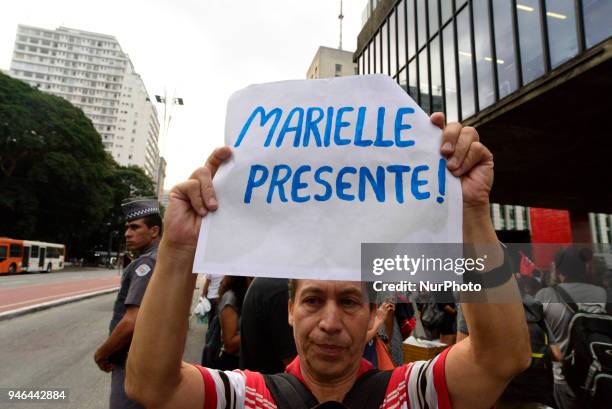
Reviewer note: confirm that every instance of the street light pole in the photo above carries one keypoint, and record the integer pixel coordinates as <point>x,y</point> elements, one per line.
<point>169,104</point>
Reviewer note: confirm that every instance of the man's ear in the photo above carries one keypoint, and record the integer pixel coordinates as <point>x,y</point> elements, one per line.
<point>155,232</point>
<point>290,312</point>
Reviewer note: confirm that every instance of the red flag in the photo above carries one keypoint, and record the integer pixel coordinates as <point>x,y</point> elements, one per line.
<point>527,266</point>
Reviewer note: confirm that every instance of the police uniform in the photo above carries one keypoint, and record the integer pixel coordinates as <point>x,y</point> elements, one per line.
<point>134,281</point>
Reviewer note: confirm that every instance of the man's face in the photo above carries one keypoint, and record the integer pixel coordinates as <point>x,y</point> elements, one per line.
<point>330,320</point>
<point>138,235</point>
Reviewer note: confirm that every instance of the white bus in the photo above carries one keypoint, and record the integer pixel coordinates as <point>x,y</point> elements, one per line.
<point>41,256</point>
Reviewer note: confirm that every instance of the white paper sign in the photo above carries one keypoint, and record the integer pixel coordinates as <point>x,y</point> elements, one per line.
<point>319,167</point>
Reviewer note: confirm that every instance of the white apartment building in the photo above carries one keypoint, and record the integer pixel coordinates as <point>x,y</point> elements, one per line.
<point>91,71</point>
<point>331,62</point>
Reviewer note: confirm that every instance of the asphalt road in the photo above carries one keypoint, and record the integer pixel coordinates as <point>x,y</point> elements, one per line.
<point>54,349</point>
<point>24,291</point>
<point>67,275</point>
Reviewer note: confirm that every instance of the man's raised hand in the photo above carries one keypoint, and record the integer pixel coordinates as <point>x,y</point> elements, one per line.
<point>468,159</point>
<point>191,200</point>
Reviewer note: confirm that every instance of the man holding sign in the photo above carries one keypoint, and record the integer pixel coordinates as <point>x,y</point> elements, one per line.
<point>330,319</point>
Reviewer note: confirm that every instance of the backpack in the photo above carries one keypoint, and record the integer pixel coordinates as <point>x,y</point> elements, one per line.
<point>367,393</point>
<point>212,343</point>
<point>432,316</point>
<point>587,363</point>
<point>535,384</point>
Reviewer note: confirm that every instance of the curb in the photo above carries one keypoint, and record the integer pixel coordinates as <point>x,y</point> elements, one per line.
<point>55,303</point>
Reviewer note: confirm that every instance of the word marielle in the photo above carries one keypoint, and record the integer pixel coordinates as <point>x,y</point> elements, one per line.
<point>304,123</point>
<point>327,128</point>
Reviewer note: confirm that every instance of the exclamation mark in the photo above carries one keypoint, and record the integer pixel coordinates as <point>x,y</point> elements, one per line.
<point>441,180</point>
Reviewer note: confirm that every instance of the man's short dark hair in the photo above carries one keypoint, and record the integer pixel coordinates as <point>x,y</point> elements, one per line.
<point>154,220</point>
<point>572,263</point>
<point>367,287</point>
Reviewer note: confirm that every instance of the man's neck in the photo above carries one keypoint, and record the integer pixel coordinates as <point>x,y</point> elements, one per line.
<point>148,247</point>
<point>324,389</point>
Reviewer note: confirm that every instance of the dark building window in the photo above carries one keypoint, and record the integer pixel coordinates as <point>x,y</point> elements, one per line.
<point>392,45</point>
<point>504,44</point>
<point>412,80</point>
<point>411,26</point>
<point>484,55</point>
<point>433,17</point>
<point>424,81</point>
<point>374,53</point>
<point>447,10</point>
<point>597,20</point>
<point>561,22</point>
<point>450,83</point>
<point>436,75</point>
<point>401,33</point>
<point>403,80</point>
<point>530,38</point>
<point>421,22</point>
<point>384,36</point>
<point>465,64</point>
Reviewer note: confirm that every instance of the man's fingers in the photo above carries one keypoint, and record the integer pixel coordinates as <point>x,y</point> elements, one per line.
<point>216,158</point>
<point>191,191</point>
<point>438,119</point>
<point>450,137</point>
<point>466,137</point>
<point>204,178</point>
<point>477,153</point>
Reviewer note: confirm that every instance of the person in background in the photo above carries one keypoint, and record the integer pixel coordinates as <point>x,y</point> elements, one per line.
<point>382,321</point>
<point>571,268</point>
<point>143,229</point>
<point>231,297</point>
<point>210,290</point>
<point>266,338</point>
<point>448,326</point>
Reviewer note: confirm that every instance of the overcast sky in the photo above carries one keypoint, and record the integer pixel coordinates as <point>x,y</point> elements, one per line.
<point>203,50</point>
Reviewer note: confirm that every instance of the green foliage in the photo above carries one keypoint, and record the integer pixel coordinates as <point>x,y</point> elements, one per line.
<point>57,182</point>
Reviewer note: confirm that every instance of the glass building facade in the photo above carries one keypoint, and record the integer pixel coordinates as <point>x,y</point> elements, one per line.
<point>463,56</point>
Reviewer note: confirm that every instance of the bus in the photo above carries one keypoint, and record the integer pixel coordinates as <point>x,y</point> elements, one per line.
<point>17,256</point>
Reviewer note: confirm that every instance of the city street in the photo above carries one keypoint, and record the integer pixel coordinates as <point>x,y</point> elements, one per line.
<point>54,349</point>
<point>25,290</point>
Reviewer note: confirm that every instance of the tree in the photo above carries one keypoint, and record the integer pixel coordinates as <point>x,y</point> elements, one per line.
<point>126,182</point>
<point>57,182</point>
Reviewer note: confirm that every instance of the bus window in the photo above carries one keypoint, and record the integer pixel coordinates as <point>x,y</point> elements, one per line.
<point>26,257</point>
<point>34,253</point>
<point>3,253</point>
<point>15,250</point>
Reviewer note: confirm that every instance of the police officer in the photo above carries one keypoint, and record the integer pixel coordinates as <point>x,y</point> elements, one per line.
<point>143,229</point>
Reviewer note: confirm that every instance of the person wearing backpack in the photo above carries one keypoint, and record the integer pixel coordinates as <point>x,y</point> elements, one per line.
<point>330,320</point>
<point>535,384</point>
<point>561,303</point>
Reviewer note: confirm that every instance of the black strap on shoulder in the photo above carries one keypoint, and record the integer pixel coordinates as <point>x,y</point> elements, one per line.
<point>369,390</point>
<point>566,298</point>
<point>289,393</point>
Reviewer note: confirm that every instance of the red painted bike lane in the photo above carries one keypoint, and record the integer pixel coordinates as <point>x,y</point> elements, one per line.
<point>29,295</point>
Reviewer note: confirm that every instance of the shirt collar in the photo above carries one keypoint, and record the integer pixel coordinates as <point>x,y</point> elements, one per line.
<point>295,369</point>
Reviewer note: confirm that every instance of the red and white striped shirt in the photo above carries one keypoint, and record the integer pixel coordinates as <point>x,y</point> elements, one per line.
<point>417,385</point>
